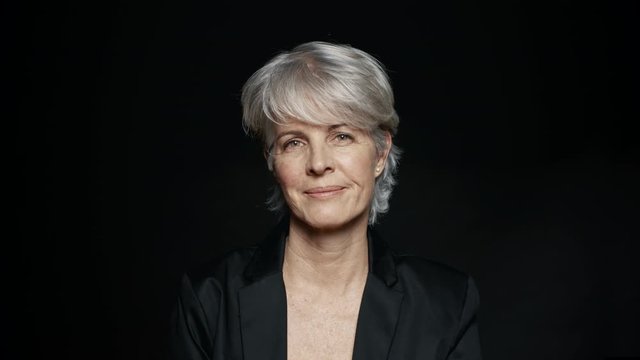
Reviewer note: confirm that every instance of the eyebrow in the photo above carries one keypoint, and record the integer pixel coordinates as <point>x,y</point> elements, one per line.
<point>290,132</point>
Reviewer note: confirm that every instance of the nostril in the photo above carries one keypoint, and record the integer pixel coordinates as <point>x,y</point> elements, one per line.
<point>319,161</point>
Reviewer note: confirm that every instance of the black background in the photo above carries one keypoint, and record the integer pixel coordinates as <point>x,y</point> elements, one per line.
<point>130,163</point>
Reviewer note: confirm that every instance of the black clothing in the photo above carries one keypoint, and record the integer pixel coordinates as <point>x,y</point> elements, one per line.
<point>412,308</point>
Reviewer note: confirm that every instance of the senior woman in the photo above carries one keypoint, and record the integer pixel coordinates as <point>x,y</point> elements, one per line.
<point>323,285</point>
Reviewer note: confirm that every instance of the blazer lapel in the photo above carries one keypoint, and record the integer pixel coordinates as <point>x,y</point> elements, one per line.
<point>380,305</point>
<point>263,302</point>
<point>263,319</point>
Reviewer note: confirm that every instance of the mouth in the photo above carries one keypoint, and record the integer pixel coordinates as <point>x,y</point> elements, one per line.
<point>324,191</point>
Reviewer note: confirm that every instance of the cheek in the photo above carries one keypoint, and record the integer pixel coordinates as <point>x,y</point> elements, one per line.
<point>360,167</point>
<point>286,175</point>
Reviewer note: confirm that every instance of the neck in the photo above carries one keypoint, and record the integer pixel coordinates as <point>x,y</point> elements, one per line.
<point>336,258</point>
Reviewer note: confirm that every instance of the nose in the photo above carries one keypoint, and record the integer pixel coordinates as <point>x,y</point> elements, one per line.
<point>320,159</point>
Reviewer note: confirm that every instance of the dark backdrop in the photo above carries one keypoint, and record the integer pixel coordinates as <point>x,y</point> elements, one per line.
<point>519,167</point>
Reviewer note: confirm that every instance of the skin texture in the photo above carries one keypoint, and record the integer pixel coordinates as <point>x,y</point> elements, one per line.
<point>327,175</point>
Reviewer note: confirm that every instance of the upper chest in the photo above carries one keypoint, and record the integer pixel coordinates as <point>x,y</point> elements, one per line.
<point>322,325</point>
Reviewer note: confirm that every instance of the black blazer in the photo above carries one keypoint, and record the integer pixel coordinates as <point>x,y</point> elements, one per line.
<point>412,308</point>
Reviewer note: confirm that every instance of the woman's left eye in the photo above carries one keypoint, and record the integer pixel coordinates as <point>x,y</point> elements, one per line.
<point>342,137</point>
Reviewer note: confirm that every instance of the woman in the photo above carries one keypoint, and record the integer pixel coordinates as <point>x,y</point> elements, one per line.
<point>323,285</point>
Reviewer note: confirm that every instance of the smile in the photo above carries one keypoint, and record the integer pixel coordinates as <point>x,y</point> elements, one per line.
<point>324,192</point>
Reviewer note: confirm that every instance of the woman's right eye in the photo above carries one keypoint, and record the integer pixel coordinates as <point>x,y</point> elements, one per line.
<point>292,145</point>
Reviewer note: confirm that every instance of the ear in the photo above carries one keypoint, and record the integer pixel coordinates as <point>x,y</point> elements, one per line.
<point>384,154</point>
<point>266,155</point>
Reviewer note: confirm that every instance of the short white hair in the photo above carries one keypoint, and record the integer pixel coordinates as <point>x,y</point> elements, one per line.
<point>318,82</point>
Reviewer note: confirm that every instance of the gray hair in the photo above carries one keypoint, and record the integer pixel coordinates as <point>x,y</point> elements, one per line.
<point>318,82</point>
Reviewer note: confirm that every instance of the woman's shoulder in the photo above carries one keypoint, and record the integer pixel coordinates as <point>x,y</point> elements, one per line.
<point>428,268</point>
<point>422,275</point>
<point>221,269</point>
<point>241,265</point>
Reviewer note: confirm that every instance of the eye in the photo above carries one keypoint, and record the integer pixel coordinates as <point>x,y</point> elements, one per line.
<point>343,138</point>
<point>292,145</point>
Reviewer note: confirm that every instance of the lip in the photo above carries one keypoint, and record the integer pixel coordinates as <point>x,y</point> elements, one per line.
<point>324,191</point>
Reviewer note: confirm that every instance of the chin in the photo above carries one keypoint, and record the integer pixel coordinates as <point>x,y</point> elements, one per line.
<point>326,224</point>
<point>330,219</point>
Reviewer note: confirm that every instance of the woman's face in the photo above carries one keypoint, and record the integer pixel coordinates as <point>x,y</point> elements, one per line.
<point>327,173</point>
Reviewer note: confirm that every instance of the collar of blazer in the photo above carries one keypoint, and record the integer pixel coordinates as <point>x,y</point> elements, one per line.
<point>263,304</point>
<point>269,256</point>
